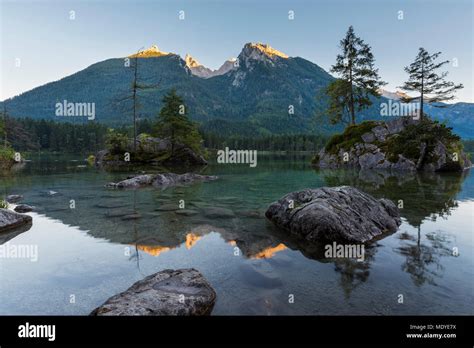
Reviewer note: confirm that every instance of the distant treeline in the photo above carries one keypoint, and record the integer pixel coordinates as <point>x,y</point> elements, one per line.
<point>294,142</point>
<point>25,134</point>
<point>468,145</point>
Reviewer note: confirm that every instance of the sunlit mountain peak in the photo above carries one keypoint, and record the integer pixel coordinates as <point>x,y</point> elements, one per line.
<point>191,62</point>
<point>153,51</point>
<point>265,49</point>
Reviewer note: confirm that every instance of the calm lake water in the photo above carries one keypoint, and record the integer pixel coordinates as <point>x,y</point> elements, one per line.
<point>113,238</point>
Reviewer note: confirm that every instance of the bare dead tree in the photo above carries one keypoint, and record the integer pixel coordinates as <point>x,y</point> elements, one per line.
<point>133,95</point>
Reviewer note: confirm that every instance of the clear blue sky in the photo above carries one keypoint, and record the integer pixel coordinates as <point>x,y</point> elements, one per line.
<point>51,46</point>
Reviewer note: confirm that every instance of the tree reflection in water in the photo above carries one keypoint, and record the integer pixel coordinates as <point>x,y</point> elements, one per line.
<point>425,196</point>
<point>423,258</point>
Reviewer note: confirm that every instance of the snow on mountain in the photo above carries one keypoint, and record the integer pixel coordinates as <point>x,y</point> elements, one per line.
<point>201,71</point>
<point>397,95</point>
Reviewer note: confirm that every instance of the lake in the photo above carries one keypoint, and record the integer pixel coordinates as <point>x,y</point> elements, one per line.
<point>94,242</point>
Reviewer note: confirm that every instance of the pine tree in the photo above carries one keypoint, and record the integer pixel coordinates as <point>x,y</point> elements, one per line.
<point>338,92</point>
<point>355,66</point>
<point>3,126</point>
<point>424,80</point>
<point>173,123</point>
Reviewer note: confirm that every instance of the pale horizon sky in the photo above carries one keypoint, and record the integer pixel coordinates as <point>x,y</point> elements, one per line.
<point>50,46</point>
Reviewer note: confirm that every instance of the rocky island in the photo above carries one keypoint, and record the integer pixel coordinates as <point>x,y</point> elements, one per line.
<point>402,144</point>
<point>149,150</point>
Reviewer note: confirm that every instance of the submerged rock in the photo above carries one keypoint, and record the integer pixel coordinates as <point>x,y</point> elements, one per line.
<point>160,180</point>
<point>131,217</point>
<point>10,219</point>
<point>260,274</point>
<point>169,292</point>
<point>23,208</point>
<point>186,212</point>
<point>14,198</point>
<point>167,207</point>
<point>334,214</point>
<point>255,214</point>
<point>218,213</point>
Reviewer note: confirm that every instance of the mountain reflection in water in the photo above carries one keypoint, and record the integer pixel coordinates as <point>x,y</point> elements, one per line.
<point>269,262</point>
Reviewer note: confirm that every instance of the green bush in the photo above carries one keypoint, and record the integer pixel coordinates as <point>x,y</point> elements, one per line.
<point>116,142</point>
<point>408,142</point>
<point>7,154</point>
<point>351,135</point>
<point>91,159</point>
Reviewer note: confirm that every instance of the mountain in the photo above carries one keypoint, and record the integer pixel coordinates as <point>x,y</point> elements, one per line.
<point>264,91</point>
<point>201,71</point>
<point>253,93</point>
<point>397,95</point>
<point>459,116</point>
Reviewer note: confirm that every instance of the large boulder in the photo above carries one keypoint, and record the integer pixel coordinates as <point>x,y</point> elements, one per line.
<point>10,220</point>
<point>334,214</point>
<point>402,144</point>
<point>169,292</point>
<point>160,180</point>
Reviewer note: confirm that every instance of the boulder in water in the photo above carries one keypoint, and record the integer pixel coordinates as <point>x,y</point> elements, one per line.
<point>334,214</point>
<point>169,292</point>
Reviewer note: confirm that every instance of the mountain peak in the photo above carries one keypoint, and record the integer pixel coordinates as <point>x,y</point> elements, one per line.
<point>201,71</point>
<point>259,50</point>
<point>153,51</point>
<point>397,95</point>
<point>191,62</point>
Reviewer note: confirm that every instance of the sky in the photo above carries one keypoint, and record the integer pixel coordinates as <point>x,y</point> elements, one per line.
<point>40,43</point>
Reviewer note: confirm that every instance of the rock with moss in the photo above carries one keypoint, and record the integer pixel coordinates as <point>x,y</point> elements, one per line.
<point>402,144</point>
